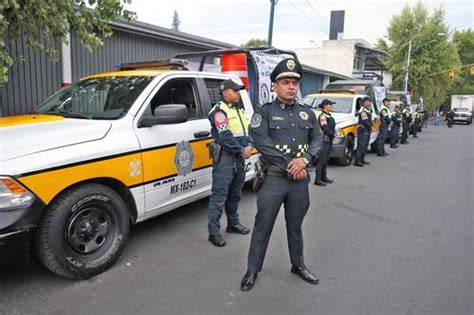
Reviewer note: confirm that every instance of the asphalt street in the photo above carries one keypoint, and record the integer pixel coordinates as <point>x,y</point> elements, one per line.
<point>395,237</point>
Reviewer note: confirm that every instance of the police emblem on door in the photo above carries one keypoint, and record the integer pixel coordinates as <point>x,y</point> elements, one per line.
<point>184,158</point>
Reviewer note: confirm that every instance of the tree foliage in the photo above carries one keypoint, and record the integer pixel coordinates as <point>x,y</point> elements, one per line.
<point>431,53</point>
<point>176,21</point>
<point>255,42</point>
<point>464,83</point>
<point>45,22</point>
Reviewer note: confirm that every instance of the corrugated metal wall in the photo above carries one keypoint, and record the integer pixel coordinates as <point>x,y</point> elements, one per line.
<point>311,83</point>
<point>29,82</point>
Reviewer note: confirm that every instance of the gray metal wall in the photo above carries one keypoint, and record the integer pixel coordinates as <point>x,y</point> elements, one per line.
<point>29,82</point>
<point>311,83</point>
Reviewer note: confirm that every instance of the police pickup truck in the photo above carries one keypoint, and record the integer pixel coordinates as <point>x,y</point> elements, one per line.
<point>111,150</point>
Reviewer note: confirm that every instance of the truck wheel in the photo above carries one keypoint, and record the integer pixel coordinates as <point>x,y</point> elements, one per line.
<point>83,231</point>
<point>373,146</point>
<point>346,159</point>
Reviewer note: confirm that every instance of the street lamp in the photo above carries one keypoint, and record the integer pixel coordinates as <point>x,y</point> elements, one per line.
<point>405,81</point>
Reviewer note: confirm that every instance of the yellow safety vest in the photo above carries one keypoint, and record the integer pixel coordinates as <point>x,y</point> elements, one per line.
<point>238,121</point>
<point>388,111</point>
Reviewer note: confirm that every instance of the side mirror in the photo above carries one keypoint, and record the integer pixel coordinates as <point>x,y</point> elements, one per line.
<point>164,115</point>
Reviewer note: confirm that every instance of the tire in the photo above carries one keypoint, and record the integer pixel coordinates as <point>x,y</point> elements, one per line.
<point>83,231</point>
<point>374,145</point>
<point>346,159</point>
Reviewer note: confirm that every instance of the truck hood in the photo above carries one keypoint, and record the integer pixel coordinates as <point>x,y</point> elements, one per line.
<point>341,118</point>
<point>28,134</point>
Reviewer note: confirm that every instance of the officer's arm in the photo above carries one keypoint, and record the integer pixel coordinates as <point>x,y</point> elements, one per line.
<point>262,141</point>
<point>315,139</point>
<point>219,121</point>
<point>323,123</point>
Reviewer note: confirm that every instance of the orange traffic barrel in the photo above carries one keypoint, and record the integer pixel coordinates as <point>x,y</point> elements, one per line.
<point>236,65</point>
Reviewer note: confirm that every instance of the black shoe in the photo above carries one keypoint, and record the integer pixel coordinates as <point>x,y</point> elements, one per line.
<point>365,162</point>
<point>305,274</point>
<point>248,281</point>
<point>328,180</point>
<point>394,146</point>
<point>380,154</point>
<point>415,137</point>
<point>238,229</point>
<point>320,183</point>
<point>217,240</point>
<point>358,164</point>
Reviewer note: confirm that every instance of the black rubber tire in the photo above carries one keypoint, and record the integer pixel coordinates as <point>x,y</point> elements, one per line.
<point>373,146</point>
<point>346,159</point>
<point>53,241</point>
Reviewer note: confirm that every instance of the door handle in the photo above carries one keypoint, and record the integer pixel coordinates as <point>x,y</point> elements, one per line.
<point>202,134</point>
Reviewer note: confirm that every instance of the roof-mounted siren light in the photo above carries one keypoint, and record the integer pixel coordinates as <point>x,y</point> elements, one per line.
<point>236,65</point>
<point>169,64</point>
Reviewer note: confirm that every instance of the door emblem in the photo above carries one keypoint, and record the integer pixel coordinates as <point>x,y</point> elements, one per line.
<point>184,158</point>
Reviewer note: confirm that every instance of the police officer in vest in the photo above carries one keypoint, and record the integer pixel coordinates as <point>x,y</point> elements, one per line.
<point>417,122</point>
<point>328,128</point>
<point>395,130</point>
<point>363,132</point>
<point>288,137</point>
<point>386,119</point>
<point>406,121</point>
<point>232,146</point>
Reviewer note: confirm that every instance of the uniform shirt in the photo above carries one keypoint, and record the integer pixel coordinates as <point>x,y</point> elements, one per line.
<point>328,126</point>
<point>221,132</point>
<point>396,118</point>
<point>385,115</point>
<point>281,132</point>
<point>406,115</point>
<point>365,119</point>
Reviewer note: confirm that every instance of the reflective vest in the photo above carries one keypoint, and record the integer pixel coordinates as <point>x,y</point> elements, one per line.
<point>238,121</point>
<point>388,112</point>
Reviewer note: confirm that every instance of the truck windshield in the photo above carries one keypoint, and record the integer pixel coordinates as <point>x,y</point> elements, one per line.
<point>96,98</point>
<point>343,104</point>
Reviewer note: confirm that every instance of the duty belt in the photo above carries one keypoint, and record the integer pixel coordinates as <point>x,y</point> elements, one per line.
<point>277,171</point>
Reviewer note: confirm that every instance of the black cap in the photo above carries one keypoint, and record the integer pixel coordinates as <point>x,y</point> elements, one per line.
<point>287,68</point>
<point>366,98</point>
<point>231,84</point>
<point>386,99</point>
<point>326,102</point>
<point>397,106</point>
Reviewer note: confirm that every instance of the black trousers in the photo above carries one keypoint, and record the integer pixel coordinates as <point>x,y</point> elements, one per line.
<point>381,138</point>
<point>405,126</point>
<point>394,134</point>
<point>363,138</point>
<point>323,160</point>
<point>275,191</point>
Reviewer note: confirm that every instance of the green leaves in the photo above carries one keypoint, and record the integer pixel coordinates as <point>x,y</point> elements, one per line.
<point>43,22</point>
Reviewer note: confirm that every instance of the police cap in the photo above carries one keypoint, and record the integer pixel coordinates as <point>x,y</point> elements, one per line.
<point>386,99</point>
<point>231,84</point>
<point>366,98</point>
<point>326,102</point>
<point>287,68</point>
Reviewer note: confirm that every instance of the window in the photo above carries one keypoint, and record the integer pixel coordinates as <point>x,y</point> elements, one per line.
<point>212,86</point>
<point>178,91</point>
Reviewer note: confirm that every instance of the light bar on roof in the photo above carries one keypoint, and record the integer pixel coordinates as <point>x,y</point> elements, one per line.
<point>168,64</point>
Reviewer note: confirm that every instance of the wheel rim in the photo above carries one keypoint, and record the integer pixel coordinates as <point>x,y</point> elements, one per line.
<point>89,230</point>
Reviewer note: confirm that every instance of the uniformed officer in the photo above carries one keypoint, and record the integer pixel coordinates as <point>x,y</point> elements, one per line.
<point>395,129</point>
<point>229,129</point>
<point>417,121</point>
<point>288,137</point>
<point>406,121</point>
<point>386,119</point>
<point>328,128</point>
<point>363,131</point>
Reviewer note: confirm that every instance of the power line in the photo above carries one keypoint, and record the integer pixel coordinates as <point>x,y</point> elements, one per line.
<point>309,18</point>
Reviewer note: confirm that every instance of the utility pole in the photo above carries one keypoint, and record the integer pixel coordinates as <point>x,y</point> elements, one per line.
<point>270,26</point>
<point>405,83</point>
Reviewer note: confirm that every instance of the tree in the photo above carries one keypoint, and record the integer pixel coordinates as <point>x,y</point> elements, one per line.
<point>255,42</point>
<point>51,21</point>
<point>464,81</point>
<point>176,21</point>
<point>431,53</point>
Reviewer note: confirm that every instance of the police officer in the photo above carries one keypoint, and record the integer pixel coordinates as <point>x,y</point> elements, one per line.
<point>328,127</point>
<point>288,137</point>
<point>229,129</point>
<point>406,121</point>
<point>395,129</point>
<point>386,119</point>
<point>363,132</point>
<point>417,122</point>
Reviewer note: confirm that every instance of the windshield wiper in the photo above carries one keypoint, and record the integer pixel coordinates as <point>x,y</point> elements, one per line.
<point>68,114</point>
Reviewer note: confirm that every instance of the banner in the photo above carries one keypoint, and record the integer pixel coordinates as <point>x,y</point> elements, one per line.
<point>380,93</point>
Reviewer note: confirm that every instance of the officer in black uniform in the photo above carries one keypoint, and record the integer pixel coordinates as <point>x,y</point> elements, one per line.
<point>406,121</point>
<point>363,131</point>
<point>386,119</point>
<point>395,129</point>
<point>328,128</point>
<point>288,138</point>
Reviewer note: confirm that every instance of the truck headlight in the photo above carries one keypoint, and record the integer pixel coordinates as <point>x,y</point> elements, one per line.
<point>13,194</point>
<point>339,137</point>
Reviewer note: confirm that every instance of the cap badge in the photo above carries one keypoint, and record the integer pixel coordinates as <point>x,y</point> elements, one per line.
<point>290,64</point>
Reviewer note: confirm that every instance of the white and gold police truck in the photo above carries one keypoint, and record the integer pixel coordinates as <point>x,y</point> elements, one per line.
<point>111,150</point>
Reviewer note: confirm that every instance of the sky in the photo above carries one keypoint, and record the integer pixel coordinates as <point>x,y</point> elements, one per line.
<point>297,23</point>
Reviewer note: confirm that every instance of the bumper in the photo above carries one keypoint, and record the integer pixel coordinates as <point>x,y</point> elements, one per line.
<point>16,230</point>
<point>463,119</point>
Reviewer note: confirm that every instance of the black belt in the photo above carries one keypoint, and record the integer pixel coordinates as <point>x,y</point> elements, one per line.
<point>276,171</point>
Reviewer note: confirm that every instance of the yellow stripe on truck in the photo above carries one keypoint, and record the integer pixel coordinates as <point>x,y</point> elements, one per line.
<point>132,170</point>
<point>27,119</point>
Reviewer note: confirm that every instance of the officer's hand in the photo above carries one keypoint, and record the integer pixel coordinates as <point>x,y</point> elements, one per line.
<point>296,165</point>
<point>246,153</point>
<point>300,175</point>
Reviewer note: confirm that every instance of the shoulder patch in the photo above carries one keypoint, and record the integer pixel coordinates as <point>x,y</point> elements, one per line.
<point>364,116</point>
<point>304,115</point>
<point>256,120</point>
<point>323,120</point>
<point>220,121</point>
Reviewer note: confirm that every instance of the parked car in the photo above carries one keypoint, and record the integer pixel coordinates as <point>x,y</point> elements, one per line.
<point>462,114</point>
